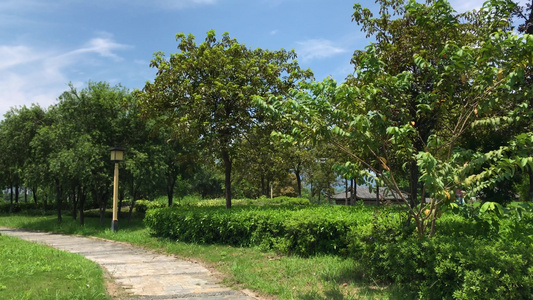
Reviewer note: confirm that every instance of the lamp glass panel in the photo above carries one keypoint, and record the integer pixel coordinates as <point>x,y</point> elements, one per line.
<point>117,155</point>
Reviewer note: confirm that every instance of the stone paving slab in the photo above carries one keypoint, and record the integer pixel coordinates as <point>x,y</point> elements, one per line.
<point>142,273</point>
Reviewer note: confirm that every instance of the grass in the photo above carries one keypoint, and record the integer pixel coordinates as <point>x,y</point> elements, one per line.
<point>34,271</point>
<point>285,277</point>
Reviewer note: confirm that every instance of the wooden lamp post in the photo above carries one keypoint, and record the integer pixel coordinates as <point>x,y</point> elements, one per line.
<point>117,155</point>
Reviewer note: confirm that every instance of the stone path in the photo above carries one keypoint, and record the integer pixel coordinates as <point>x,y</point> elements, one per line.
<point>143,274</point>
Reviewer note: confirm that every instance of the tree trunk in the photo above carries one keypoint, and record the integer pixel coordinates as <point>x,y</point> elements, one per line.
<point>34,192</point>
<point>25,195</point>
<point>298,181</point>
<point>59,201</point>
<point>17,192</point>
<point>413,183</point>
<point>170,190</point>
<point>101,205</point>
<point>74,204</point>
<point>81,197</point>
<point>227,179</point>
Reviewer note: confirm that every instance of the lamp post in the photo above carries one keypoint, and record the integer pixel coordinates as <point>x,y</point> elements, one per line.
<point>117,155</point>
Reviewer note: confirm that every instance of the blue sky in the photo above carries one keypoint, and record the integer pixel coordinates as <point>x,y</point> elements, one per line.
<point>45,44</point>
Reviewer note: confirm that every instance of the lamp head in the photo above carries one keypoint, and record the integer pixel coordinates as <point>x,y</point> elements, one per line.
<point>117,154</point>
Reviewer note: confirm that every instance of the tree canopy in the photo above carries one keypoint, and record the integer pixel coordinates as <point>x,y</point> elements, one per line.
<point>206,91</point>
<point>431,76</point>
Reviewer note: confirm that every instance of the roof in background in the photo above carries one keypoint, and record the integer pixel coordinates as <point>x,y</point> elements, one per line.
<point>363,193</point>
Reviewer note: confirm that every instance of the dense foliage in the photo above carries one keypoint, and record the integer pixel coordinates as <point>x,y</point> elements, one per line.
<point>476,254</point>
<point>422,101</point>
<point>287,229</point>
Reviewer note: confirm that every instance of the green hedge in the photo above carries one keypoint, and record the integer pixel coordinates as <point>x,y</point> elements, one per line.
<point>291,230</point>
<point>468,258</point>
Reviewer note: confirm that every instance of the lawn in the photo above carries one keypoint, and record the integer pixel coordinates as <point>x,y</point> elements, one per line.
<point>34,271</point>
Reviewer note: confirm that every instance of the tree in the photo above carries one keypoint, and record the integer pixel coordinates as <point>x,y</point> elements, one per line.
<point>432,75</point>
<point>72,151</point>
<point>207,89</point>
<point>16,132</point>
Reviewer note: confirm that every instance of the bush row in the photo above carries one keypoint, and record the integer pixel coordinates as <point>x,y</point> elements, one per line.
<point>291,230</point>
<point>469,258</point>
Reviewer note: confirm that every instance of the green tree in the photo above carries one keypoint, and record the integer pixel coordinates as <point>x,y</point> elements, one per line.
<point>72,151</point>
<point>16,132</point>
<point>207,89</point>
<point>430,77</point>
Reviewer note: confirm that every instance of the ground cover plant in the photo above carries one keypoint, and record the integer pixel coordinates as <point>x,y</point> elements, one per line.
<point>33,271</point>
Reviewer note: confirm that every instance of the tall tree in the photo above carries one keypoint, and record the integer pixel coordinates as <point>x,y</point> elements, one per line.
<point>432,75</point>
<point>208,89</point>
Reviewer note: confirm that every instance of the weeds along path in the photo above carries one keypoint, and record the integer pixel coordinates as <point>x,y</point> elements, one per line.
<point>141,273</point>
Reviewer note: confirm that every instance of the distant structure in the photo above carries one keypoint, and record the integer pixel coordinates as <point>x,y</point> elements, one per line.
<point>384,196</point>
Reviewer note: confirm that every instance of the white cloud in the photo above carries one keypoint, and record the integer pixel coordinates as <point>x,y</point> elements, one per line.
<point>103,46</point>
<point>35,75</point>
<point>15,55</point>
<point>317,49</point>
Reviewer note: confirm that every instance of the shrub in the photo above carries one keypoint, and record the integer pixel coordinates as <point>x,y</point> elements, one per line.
<point>467,259</point>
<point>288,229</point>
<point>141,206</point>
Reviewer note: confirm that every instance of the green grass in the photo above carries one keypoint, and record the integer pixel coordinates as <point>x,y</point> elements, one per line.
<point>34,271</point>
<point>286,277</point>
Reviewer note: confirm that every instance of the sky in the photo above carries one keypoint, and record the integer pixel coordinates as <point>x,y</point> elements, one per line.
<point>47,44</point>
